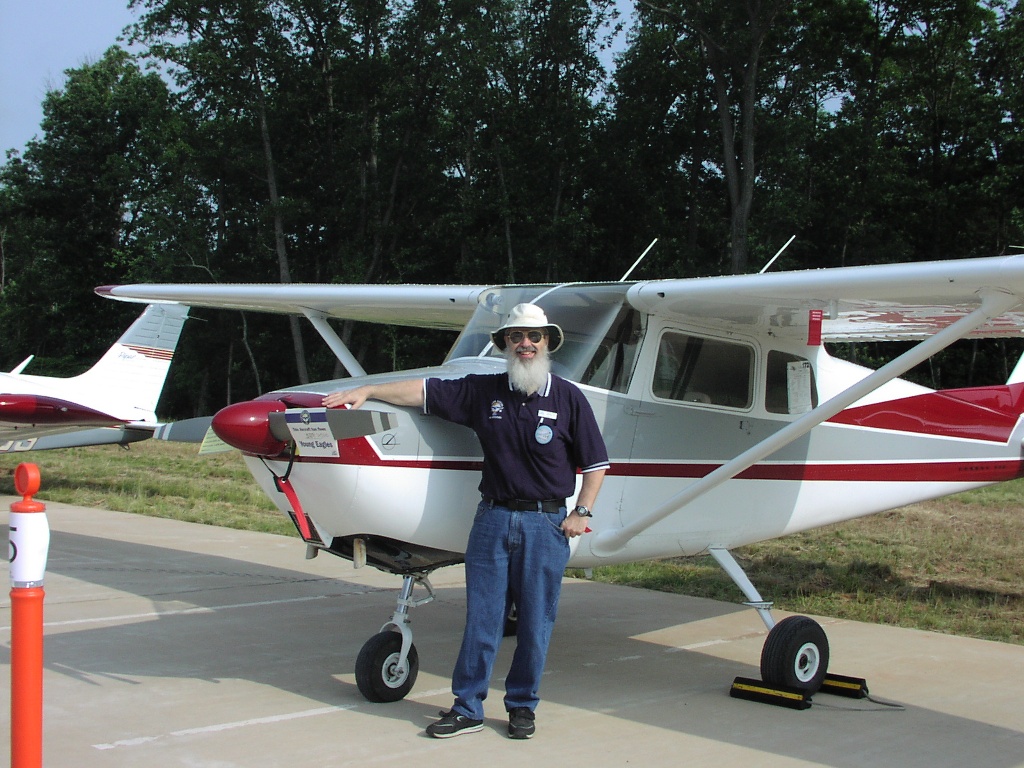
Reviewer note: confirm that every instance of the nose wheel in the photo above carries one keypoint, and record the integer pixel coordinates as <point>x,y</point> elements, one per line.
<point>388,663</point>
<point>381,674</point>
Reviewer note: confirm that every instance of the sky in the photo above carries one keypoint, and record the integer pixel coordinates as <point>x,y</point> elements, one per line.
<point>39,39</point>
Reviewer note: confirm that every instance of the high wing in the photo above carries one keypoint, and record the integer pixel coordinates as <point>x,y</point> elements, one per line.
<point>936,302</point>
<point>423,306</point>
<point>871,303</point>
<point>112,402</point>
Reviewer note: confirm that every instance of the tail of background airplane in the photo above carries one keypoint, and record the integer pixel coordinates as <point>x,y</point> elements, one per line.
<point>131,374</point>
<point>113,402</point>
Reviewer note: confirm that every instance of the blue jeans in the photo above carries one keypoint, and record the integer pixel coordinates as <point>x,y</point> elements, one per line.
<point>511,557</point>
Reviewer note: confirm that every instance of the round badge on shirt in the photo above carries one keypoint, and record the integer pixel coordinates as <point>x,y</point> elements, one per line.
<point>544,434</point>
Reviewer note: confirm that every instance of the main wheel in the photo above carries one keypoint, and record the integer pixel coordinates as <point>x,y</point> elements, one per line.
<point>795,654</point>
<point>377,672</point>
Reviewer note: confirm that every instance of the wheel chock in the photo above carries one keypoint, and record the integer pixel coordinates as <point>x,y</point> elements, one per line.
<point>794,698</point>
<point>840,685</point>
<point>766,693</point>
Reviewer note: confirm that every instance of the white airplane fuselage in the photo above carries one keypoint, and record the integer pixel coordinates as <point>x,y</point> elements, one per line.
<point>417,483</point>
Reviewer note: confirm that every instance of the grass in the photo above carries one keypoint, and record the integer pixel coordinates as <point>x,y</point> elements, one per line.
<point>954,565</point>
<point>154,478</point>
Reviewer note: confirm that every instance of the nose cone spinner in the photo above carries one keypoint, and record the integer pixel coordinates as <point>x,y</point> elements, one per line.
<point>246,426</point>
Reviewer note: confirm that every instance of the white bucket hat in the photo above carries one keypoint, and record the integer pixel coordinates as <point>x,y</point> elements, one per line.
<point>528,316</point>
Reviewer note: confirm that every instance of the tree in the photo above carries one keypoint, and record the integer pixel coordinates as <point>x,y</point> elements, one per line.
<point>1000,64</point>
<point>731,40</point>
<point>517,109</point>
<point>226,58</point>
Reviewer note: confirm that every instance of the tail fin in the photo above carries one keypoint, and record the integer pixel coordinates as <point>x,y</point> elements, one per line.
<point>131,375</point>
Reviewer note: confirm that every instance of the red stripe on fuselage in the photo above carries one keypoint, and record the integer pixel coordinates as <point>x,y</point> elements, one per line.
<point>977,413</point>
<point>983,471</point>
<point>968,471</point>
<point>25,410</point>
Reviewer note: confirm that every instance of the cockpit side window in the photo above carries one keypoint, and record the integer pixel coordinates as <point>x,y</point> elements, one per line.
<point>703,370</point>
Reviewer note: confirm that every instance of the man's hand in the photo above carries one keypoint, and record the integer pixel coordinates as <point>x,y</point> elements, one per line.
<point>574,525</point>
<point>353,397</point>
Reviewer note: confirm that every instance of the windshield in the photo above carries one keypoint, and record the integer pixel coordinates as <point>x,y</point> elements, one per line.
<point>602,332</point>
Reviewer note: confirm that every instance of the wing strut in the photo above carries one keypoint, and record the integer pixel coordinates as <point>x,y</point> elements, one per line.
<point>319,321</point>
<point>993,303</point>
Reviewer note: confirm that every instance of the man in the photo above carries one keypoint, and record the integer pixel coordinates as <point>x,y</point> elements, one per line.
<point>536,430</point>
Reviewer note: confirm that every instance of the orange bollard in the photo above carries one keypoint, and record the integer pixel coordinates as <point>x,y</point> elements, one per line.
<point>28,548</point>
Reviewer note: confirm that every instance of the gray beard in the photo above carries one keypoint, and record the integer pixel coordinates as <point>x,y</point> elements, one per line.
<point>528,376</point>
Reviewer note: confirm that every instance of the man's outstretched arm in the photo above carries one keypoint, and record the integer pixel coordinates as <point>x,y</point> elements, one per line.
<point>408,392</point>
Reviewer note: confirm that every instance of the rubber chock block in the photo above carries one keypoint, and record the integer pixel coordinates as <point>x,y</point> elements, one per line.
<point>840,685</point>
<point>766,693</point>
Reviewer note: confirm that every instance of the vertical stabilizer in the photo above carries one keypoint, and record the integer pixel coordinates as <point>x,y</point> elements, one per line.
<point>128,379</point>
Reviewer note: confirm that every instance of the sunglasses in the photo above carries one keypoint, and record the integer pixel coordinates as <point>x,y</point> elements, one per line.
<point>517,336</point>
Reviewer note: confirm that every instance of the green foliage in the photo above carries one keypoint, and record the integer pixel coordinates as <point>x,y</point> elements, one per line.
<point>99,200</point>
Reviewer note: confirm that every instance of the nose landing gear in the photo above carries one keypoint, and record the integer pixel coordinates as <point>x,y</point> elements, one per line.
<point>388,663</point>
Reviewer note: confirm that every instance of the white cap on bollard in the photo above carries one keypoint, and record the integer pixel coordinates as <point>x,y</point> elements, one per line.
<point>29,537</point>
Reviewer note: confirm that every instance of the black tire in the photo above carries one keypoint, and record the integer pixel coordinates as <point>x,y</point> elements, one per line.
<point>375,668</point>
<point>795,655</point>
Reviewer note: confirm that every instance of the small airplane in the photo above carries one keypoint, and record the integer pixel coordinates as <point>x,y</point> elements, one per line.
<point>727,422</point>
<point>112,402</point>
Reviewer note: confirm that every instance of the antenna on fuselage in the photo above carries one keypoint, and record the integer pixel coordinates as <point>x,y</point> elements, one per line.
<point>777,254</point>
<point>635,263</point>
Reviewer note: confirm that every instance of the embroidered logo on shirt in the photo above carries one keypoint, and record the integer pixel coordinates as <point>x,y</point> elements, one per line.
<point>497,408</point>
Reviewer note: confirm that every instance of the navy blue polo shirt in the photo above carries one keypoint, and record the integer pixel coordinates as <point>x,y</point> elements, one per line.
<point>532,444</point>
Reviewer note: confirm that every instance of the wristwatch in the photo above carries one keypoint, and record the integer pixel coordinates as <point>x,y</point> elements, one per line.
<point>583,511</point>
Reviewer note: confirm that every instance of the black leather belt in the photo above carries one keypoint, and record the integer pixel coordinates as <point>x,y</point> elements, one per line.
<point>524,505</point>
